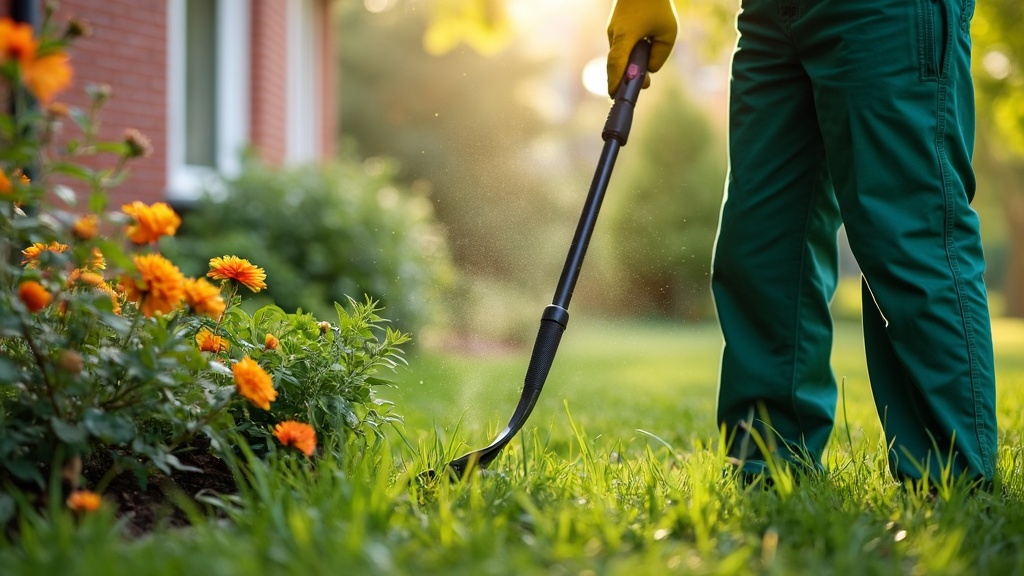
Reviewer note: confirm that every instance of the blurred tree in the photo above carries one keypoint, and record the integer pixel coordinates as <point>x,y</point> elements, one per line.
<point>999,73</point>
<point>456,123</point>
<point>664,221</point>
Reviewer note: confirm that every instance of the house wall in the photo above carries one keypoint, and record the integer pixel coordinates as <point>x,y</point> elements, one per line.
<point>328,80</point>
<point>269,73</point>
<point>127,50</point>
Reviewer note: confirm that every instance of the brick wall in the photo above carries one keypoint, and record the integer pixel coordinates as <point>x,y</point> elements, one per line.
<point>128,51</point>
<point>328,80</point>
<point>269,74</point>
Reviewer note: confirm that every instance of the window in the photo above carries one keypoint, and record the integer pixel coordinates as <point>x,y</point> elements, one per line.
<point>208,93</point>
<point>303,89</point>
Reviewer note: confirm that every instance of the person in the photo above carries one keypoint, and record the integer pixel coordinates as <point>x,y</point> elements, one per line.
<point>862,114</point>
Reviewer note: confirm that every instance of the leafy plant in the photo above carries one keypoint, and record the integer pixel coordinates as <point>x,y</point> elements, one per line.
<point>325,372</point>
<point>109,354</point>
<point>323,233</point>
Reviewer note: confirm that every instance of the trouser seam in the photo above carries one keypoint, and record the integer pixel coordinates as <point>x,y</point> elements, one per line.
<point>953,258</point>
<point>797,333</point>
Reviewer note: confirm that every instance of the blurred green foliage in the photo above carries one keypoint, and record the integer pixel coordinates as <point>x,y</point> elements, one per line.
<point>664,220</point>
<point>454,121</point>
<point>999,82</point>
<point>323,234</point>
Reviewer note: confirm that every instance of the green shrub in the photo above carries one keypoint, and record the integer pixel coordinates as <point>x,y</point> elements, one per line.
<point>325,372</point>
<point>324,233</point>
<point>110,357</point>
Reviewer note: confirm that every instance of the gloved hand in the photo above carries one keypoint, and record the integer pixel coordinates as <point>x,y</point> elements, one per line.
<point>630,22</point>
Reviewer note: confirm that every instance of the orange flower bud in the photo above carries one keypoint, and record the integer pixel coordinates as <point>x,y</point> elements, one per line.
<point>270,342</point>
<point>82,501</point>
<point>85,227</point>
<point>300,436</point>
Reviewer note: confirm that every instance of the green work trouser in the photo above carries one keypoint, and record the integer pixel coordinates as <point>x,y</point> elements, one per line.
<point>858,112</point>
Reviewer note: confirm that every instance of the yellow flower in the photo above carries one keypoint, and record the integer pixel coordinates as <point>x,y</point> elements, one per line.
<point>254,383</point>
<point>151,222</point>
<point>204,298</point>
<point>86,227</point>
<point>159,287</point>
<point>270,342</point>
<point>33,295</point>
<point>238,269</point>
<point>208,342</point>
<point>47,75</point>
<point>300,436</point>
<point>84,501</point>
<point>33,252</point>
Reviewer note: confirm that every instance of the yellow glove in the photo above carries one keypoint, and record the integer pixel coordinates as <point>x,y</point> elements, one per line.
<point>632,21</point>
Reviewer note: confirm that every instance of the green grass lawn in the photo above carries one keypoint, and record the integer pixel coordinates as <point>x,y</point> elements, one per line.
<point>618,471</point>
<point>614,378</point>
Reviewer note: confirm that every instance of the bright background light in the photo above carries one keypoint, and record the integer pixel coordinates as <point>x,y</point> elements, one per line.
<point>595,77</point>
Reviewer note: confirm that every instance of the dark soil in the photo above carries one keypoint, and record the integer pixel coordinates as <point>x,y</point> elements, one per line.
<point>166,500</point>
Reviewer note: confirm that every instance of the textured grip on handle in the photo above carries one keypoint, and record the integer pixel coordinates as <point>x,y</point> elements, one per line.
<point>548,338</point>
<point>620,117</point>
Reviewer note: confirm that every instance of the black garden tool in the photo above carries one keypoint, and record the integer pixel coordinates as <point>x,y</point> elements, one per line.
<point>556,316</point>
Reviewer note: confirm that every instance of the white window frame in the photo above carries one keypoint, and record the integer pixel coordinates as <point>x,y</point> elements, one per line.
<point>304,87</point>
<point>187,182</point>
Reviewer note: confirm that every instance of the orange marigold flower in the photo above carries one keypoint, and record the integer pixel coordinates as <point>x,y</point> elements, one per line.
<point>34,295</point>
<point>98,261</point>
<point>5,183</point>
<point>115,300</point>
<point>86,277</point>
<point>254,383</point>
<point>300,436</point>
<point>209,342</point>
<point>238,269</point>
<point>159,287</point>
<point>270,342</point>
<point>84,501</point>
<point>16,41</point>
<point>204,298</point>
<point>33,252</point>
<point>151,222</point>
<point>86,227</point>
<point>47,75</point>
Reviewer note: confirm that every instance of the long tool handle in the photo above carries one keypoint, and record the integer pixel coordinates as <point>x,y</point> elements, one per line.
<point>556,315</point>
<point>615,134</point>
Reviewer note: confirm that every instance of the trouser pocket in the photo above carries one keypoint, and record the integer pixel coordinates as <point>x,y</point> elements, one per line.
<point>932,37</point>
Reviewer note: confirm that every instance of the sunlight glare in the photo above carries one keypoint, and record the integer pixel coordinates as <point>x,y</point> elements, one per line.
<point>997,64</point>
<point>376,6</point>
<point>595,77</point>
